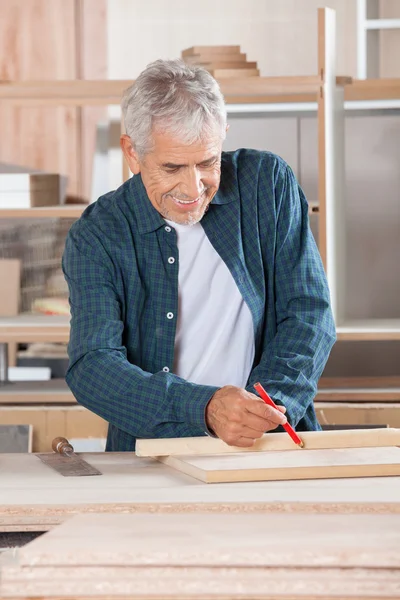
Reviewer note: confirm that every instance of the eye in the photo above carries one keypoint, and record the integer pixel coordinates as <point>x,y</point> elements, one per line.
<point>172,169</point>
<point>207,165</point>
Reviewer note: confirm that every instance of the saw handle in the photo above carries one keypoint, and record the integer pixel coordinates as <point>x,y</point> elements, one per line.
<point>62,446</point>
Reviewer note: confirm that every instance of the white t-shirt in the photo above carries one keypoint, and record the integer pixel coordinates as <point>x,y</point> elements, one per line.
<point>214,342</point>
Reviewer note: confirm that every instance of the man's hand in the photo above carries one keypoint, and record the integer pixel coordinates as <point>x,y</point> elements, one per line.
<point>239,418</point>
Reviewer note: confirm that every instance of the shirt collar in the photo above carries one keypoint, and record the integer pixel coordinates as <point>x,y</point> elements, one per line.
<point>149,219</point>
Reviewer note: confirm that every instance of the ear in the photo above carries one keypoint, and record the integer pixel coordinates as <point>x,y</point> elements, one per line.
<point>131,156</point>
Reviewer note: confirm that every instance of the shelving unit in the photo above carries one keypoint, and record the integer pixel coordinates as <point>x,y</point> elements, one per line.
<point>365,26</point>
<point>325,93</point>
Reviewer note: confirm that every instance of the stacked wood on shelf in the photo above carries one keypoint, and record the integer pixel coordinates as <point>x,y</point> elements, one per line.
<point>175,556</point>
<point>221,61</point>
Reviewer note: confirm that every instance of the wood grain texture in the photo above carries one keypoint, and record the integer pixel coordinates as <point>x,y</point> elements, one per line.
<point>64,39</point>
<point>289,465</point>
<point>313,440</point>
<point>213,556</point>
<point>37,42</point>
<point>32,494</point>
<point>220,540</point>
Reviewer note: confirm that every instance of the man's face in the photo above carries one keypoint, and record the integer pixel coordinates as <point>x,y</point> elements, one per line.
<point>180,180</point>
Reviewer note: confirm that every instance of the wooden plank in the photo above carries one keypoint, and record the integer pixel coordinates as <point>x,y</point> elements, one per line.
<point>289,465</point>
<point>103,92</point>
<point>54,391</point>
<point>34,495</point>
<point>193,50</point>
<point>66,211</point>
<point>209,57</point>
<point>353,413</point>
<point>34,328</point>
<point>359,382</point>
<point>358,395</point>
<point>144,555</point>
<point>194,446</point>
<point>214,65</point>
<point>221,540</point>
<point>373,89</point>
<point>232,73</point>
<point>199,583</point>
<point>369,329</point>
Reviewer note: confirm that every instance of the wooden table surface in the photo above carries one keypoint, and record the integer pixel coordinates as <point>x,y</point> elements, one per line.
<point>33,497</point>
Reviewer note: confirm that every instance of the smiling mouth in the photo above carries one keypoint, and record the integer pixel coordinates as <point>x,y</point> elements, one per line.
<point>186,202</point>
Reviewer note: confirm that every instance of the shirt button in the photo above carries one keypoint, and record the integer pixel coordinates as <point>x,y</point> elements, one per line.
<point>165,369</point>
<point>170,315</point>
<point>171,260</point>
<point>167,228</point>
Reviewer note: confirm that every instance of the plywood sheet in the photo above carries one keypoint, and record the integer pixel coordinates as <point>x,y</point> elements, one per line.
<point>220,540</point>
<point>308,464</point>
<point>235,556</point>
<point>33,496</point>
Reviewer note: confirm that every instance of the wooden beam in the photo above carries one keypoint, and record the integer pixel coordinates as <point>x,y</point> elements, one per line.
<point>313,440</point>
<point>34,328</point>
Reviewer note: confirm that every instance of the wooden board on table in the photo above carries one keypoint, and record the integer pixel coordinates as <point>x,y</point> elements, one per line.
<point>277,466</point>
<point>312,440</point>
<point>33,496</point>
<point>212,555</point>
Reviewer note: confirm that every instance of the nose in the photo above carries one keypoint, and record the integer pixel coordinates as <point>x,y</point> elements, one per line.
<point>192,185</point>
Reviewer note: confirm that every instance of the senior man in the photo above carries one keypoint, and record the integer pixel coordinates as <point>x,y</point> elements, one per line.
<point>196,278</point>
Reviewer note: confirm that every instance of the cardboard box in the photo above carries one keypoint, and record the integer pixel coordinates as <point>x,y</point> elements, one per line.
<point>51,421</point>
<point>10,287</point>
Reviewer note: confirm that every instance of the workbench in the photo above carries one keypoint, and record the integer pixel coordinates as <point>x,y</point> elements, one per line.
<point>33,497</point>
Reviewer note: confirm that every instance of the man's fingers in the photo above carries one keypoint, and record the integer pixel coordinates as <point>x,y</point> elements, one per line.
<point>244,442</point>
<point>266,412</point>
<point>256,423</point>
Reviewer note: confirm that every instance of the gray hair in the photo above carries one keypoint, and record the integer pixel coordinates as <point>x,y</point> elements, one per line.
<point>170,95</point>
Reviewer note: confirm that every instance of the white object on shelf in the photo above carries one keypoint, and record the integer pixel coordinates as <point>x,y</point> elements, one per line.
<point>22,187</point>
<point>29,373</point>
<point>364,47</point>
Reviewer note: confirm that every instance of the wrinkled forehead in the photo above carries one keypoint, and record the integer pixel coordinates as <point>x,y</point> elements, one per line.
<point>170,148</point>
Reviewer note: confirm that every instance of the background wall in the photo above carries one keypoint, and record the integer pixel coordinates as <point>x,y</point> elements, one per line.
<point>282,37</point>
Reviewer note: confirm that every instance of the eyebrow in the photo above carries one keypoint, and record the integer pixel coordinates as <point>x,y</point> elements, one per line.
<point>176,166</point>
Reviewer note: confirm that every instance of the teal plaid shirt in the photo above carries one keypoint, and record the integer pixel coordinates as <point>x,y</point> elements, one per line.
<point>122,286</point>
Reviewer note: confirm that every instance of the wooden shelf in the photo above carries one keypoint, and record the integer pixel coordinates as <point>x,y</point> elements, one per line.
<point>369,329</point>
<point>68,211</point>
<point>236,90</point>
<point>372,89</point>
<point>54,391</point>
<point>27,328</point>
<point>103,92</point>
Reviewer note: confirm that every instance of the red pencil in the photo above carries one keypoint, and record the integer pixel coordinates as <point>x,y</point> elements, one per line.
<point>259,388</point>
